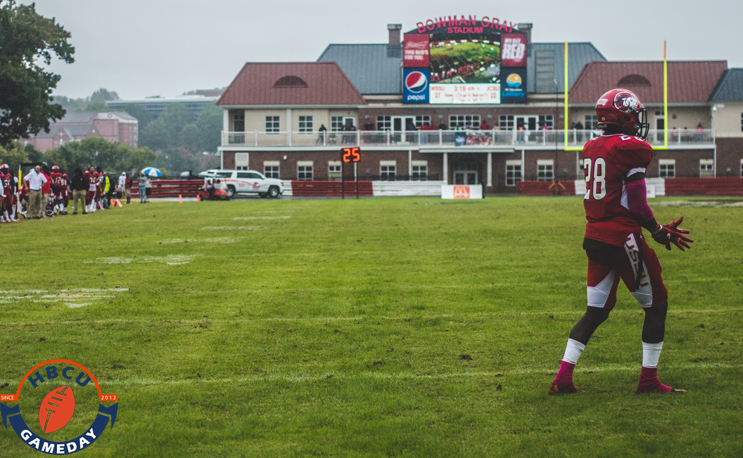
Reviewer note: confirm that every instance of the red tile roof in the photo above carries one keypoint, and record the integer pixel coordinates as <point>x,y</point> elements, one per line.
<point>325,84</point>
<point>688,82</point>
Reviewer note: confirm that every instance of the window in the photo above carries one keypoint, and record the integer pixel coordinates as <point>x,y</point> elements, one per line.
<point>545,170</point>
<point>422,121</point>
<point>464,121</point>
<point>305,124</point>
<point>667,168</point>
<point>513,172</point>
<point>238,122</point>
<point>272,124</point>
<point>338,122</point>
<point>420,171</point>
<point>387,170</point>
<point>249,175</point>
<point>241,161</point>
<point>706,168</point>
<point>334,170</point>
<point>546,120</point>
<point>741,122</point>
<point>271,169</point>
<point>304,171</point>
<point>741,167</point>
<point>506,122</point>
<point>592,122</point>
<point>384,122</point>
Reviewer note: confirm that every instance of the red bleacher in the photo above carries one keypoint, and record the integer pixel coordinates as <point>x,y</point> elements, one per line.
<point>172,188</point>
<point>720,186</point>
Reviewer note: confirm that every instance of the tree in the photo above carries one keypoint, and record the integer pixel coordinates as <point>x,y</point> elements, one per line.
<point>14,155</point>
<point>99,98</point>
<point>165,131</point>
<point>99,152</point>
<point>27,39</point>
<point>210,128</point>
<point>143,116</point>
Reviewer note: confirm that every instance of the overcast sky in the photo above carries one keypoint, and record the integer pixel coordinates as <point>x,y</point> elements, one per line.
<point>141,48</point>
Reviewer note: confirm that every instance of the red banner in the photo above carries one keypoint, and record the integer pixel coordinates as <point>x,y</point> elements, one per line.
<point>513,50</point>
<point>415,50</point>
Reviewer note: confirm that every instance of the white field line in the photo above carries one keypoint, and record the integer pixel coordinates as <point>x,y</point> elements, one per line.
<point>74,298</point>
<point>251,218</point>
<point>231,228</point>
<point>171,259</point>
<point>208,240</point>
<point>460,316</point>
<point>698,203</point>
<point>401,376</point>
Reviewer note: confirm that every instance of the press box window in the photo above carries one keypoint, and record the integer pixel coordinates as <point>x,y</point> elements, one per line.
<point>506,122</point>
<point>241,161</point>
<point>667,168</point>
<point>304,171</point>
<point>420,171</point>
<point>334,170</point>
<point>706,167</point>
<point>272,125</point>
<point>387,170</point>
<point>591,122</point>
<point>384,122</point>
<point>271,169</point>
<point>305,124</point>
<point>464,121</point>
<point>545,170</point>
<point>513,172</point>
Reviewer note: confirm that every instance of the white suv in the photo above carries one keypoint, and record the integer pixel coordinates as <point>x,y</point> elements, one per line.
<point>247,182</point>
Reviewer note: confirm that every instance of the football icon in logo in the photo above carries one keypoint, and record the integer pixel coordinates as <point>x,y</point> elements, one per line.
<point>56,410</point>
<point>416,82</point>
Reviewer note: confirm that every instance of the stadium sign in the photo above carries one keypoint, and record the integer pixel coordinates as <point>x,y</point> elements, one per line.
<point>463,59</point>
<point>58,406</point>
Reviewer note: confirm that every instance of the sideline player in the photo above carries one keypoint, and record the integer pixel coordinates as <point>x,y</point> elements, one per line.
<point>90,197</point>
<point>617,210</point>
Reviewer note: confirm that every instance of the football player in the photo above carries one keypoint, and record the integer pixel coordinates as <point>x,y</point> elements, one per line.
<point>91,195</point>
<point>57,182</point>
<point>616,210</point>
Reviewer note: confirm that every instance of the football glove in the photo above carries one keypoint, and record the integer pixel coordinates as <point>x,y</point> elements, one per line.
<point>672,233</point>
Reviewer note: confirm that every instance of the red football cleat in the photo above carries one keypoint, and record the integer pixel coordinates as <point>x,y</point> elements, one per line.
<point>563,389</point>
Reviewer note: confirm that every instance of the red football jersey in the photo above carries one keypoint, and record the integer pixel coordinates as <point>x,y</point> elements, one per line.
<point>59,180</point>
<point>607,162</point>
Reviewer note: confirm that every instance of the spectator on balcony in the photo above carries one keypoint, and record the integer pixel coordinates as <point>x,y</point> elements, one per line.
<point>322,131</point>
<point>443,126</point>
<point>700,133</point>
<point>579,128</point>
<point>484,125</point>
<point>520,133</point>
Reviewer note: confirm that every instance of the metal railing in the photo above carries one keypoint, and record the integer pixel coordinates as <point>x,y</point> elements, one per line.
<point>448,138</point>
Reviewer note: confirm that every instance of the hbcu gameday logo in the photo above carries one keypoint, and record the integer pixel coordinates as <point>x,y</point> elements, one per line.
<point>58,407</point>
<point>416,82</point>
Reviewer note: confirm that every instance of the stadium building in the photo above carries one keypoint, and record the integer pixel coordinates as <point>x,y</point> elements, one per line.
<point>470,100</point>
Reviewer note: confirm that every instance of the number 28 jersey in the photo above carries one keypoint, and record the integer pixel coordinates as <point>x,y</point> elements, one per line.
<point>607,162</point>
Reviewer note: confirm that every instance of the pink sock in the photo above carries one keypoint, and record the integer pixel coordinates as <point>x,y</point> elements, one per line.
<point>649,382</point>
<point>565,374</point>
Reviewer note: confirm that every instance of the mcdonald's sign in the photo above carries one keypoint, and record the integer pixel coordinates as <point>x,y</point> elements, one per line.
<point>461,192</point>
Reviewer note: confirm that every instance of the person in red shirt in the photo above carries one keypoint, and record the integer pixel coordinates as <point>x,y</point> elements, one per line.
<point>616,212</point>
<point>92,194</point>
<point>7,192</point>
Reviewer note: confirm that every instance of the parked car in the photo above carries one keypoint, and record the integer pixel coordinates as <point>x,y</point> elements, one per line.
<point>247,182</point>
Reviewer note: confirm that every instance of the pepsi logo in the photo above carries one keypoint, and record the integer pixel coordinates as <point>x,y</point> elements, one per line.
<point>513,80</point>
<point>416,82</point>
<point>56,409</point>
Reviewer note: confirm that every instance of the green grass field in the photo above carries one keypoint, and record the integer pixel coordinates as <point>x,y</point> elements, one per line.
<point>373,327</point>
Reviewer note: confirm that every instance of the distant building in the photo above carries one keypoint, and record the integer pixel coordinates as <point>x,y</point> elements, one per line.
<point>195,104</point>
<point>113,126</point>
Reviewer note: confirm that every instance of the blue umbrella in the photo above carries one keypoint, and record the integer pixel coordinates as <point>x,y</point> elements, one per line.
<point>152,172</point>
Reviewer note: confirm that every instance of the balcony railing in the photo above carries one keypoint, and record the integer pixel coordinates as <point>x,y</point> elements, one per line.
<point>449,138</point>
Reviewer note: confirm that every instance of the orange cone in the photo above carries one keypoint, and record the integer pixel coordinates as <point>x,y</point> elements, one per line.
<point>198,197</point>
<point>180,198</point>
